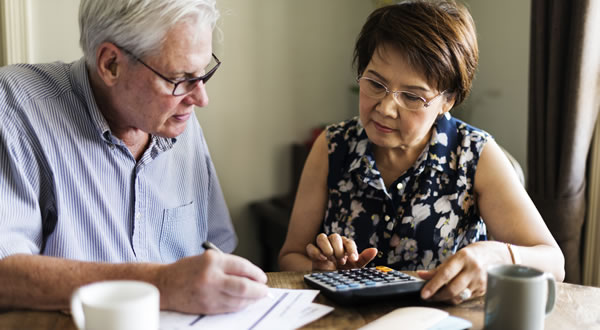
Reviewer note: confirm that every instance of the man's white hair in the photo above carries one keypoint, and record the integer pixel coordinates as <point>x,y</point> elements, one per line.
<point>139,26</point>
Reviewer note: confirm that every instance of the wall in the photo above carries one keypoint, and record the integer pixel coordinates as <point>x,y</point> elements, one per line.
<point>499,98</point>
<point>54,31</point>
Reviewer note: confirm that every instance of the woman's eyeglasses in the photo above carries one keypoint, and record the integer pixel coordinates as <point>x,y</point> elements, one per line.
<point>407,100</point>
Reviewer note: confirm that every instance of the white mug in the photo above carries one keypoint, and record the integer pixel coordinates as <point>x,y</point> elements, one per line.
<point>116,305</point>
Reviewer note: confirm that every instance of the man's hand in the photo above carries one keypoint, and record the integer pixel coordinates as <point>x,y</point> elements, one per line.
<point>210,283</point>
<point>337,252</point>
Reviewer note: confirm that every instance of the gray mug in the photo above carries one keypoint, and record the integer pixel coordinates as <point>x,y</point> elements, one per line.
<point>518,297</point>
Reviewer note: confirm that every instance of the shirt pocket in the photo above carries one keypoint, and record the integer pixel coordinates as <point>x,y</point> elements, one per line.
<point>181,234</point>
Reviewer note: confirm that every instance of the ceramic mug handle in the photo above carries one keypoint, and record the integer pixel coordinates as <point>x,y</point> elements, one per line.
<point>77,310</point>
<point>551,298</point>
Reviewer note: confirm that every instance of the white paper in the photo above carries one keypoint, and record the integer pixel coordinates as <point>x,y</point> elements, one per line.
<point>284,309</point>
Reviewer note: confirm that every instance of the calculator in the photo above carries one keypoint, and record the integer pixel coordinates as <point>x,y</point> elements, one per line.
<point>363,284</point>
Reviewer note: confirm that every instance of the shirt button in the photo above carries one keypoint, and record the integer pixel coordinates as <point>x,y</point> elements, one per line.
<point>138,215</point>
<point>399,186</point>
<point>387,217</point>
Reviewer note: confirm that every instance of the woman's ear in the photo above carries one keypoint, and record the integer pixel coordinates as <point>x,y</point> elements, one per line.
<point>109,63</point>
<point>448,102</point>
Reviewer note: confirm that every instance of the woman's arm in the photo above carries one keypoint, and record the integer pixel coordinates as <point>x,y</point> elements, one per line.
<point>511,217</point>
<point>305,248</point>
<point>309,209</point>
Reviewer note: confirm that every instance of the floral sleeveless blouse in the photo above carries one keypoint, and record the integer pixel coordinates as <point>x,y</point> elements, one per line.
<point>431,207</point>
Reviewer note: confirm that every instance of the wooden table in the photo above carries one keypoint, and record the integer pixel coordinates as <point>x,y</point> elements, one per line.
<point>577,307</point>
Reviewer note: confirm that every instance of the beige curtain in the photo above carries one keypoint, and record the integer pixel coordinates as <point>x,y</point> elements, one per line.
<point>564,98</point>
<point>2,36</point>
<point>14,34</point>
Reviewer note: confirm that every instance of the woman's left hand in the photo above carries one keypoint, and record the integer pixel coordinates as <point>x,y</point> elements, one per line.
<point>461,277</point>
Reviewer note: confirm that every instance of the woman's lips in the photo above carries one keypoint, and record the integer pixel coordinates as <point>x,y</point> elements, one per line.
<point>382,128</point>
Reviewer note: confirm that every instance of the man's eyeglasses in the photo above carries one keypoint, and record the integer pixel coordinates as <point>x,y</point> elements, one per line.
<point>407,100</point>
<point>184,86</point>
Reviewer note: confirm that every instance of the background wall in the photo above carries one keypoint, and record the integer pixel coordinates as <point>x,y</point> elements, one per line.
<point>54,31</point>
<point>498,102</point>
<point>287,68</point>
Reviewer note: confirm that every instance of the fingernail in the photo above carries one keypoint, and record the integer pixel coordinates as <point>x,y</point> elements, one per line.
<point>323,257</point>
<point>425,294</point>
<point>354,256</point>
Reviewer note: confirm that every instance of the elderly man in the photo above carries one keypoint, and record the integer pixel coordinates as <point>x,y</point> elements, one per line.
<point>104,170</point>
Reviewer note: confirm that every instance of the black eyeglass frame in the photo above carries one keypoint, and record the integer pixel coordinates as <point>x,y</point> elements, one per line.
<point>204,78</point>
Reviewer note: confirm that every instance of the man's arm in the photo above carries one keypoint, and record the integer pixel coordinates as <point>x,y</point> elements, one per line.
<point>209,283</point>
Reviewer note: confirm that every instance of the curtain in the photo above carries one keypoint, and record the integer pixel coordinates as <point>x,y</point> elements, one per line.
<point>564,98</point>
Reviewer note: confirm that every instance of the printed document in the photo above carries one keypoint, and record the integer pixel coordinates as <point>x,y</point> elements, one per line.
<point>282,309</point>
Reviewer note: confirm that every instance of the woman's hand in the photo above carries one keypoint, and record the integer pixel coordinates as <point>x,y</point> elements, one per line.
<point>461,277</point>
<point>337,252</point>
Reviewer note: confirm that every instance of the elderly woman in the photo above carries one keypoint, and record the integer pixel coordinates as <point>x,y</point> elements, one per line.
<point>407,185</point>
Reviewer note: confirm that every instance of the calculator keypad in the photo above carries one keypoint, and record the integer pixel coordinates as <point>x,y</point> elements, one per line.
<point>353,279</point>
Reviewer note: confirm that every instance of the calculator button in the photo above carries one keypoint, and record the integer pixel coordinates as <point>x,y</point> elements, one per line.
<point>384,269</point>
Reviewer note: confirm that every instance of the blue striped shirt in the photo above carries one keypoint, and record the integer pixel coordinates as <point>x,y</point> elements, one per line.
<point>69,188</point>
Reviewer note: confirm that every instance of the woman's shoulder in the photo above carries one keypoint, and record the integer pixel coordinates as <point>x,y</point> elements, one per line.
<point>347,137</point>
<point>347,129</point>
<point>455,133</point>
<point>465,129</point>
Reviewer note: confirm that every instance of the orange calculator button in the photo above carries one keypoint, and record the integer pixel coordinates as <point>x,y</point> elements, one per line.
<point>384,269</point>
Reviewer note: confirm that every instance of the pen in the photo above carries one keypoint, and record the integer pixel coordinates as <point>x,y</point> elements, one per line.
<point>210,246</point>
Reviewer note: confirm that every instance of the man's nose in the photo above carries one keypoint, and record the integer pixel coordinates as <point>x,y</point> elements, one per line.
<point>198,95</point>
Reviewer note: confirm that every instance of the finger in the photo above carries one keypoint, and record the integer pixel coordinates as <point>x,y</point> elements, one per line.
<point>323,244</point>
<point>324,265</point>
<point>443,274</point>
<point>342,260</point>
<point>338,247</point>
<point>244,288</point>
<point>365,257</point>
<point>426,274</point>
<point>238,266</point>
<point>351,249</point>
<point>452,290</point>
<point>314,253</point>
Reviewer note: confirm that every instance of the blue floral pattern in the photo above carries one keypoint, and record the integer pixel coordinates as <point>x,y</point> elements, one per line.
<point>431,207</point>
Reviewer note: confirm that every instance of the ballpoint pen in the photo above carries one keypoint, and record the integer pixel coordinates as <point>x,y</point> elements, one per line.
<point>207,245</point>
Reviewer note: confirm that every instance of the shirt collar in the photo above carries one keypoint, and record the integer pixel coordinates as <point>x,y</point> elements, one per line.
<point>83,89</point>
<point>439,154</point>
<point>443,145</point>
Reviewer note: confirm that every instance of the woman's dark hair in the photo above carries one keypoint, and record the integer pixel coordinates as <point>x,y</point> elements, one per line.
<point>437,37</point>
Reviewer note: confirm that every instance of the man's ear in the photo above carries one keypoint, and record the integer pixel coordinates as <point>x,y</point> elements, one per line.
<point>109,63</point>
